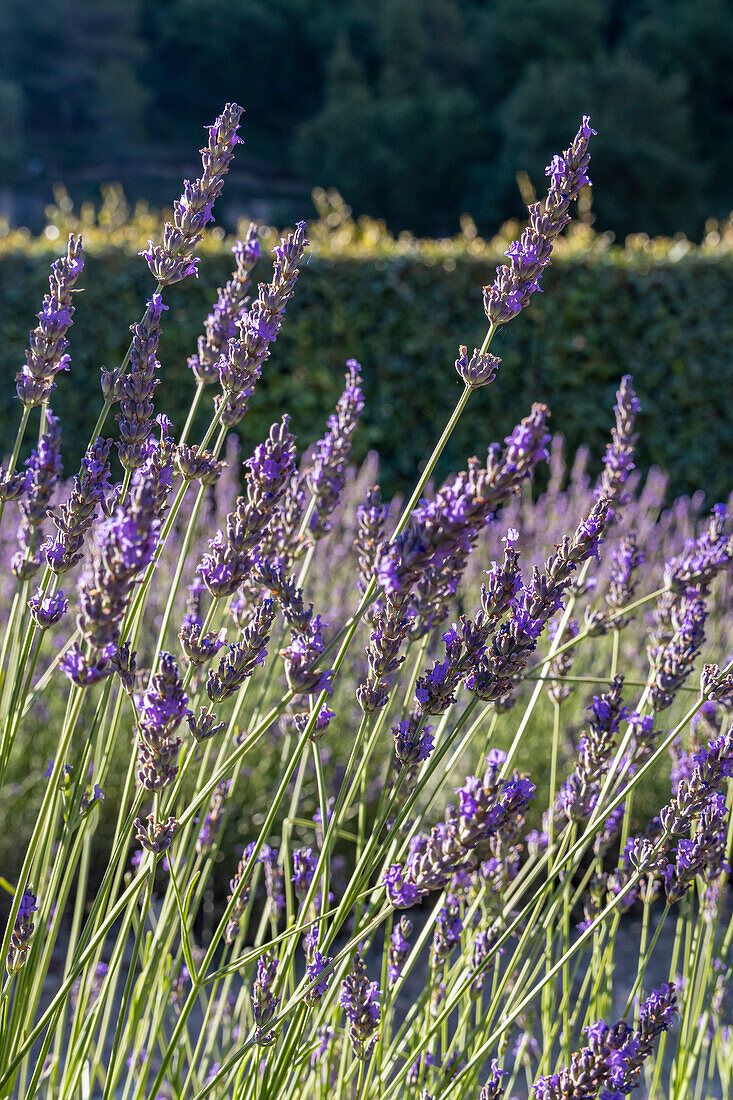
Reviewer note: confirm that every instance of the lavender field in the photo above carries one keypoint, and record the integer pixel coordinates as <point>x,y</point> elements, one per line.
<point>308,791</point>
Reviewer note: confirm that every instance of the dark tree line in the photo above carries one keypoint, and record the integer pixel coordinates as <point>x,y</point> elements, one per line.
<point>416,110</point>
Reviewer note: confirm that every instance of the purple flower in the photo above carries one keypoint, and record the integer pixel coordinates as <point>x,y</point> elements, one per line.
<point>160,711</point>
<point>155,836</point>
<point>173,260</point>
<point>327,476</point>
<point>703,558</point>
<point>480,369</point>
<point>619,459</point>
<point>228,310</point>
<point>447,934</point>
<point>315,969</point>
<point>233,551</point>
<point>46,354</point>
<point>75,516</point>
<point>47,609</point>
<point>22,931</point>
<point>530,255</point>
<point>264,1002</point>
<point>486,807</point>
<point>80,671</point>
<point>399,947</point>
<point>242,659</point>
<point>493,1089</point>
<point>360,999</point>
<point>241,364</point>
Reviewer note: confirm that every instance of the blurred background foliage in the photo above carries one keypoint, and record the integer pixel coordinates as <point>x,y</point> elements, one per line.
<point>416,110</point>
<point>656,307</point>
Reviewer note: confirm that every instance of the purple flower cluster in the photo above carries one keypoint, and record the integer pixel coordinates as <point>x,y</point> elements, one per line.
<point>703,557</point>
<point>371,517</point>
<point>495,671</point>
<point>698,805</point>
<point>135,390</point>
<point>125,547</point>
<point>304,867</point>
<point>22,931</point>
<point>577,797</point>
<point>672,663</point>
<point>614,1056</point>
<point>517,281</point>
<point>264,1001</point>
<point>314,972</point>
<point>479,369</point>
<point>493,1089</point>
<point>483,952</point>
<point>155,836</point>
<point>485,807</point>
<point>388,634</point>
<point>447,933</point>
<point>360,999</point>
<point>441,533</point>
<point>243,657</point>
<point>229,308</point>
<point>274,881</point>
<point>242,895</point>
<point>46,354</point>
<point>619,458</point>
<point>47,609</point>
<point>240,365</point>
<point>160,711</point>
<point>326,478</point>
<point>413,741</point>
<point>625,561</point>
<point>398,950</point>
<point>301,656</point>
<point>43,473</point>
<point>702,855</point>
<point>75,516</point>
<point>173,260</point>
<point>232,552</point>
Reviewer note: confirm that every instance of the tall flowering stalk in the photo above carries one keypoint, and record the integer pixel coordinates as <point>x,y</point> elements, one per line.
<point>46,354</point>
<point>315,872</point>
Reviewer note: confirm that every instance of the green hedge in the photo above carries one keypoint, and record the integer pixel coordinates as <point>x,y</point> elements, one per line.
<point>666,320</point>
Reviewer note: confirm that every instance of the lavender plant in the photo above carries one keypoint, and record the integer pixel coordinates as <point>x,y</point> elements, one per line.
<point>261,688</point>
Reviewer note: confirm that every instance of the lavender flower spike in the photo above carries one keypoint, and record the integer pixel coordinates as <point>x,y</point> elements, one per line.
<point>173,260</point>
<point>478,370</point>
<point>619,458</point>
<point>155,836</point>
<point>243,657</point>
<point>46,354</point>
<point>161,710</point>
<point>47,609</point>
<point>43,473</point>
<point>231,554</point>
<point>517,281</point>
<point>241,364</point>
<point>127,543</point>
<point>221,324</point>
<point>264,1001</point>
<point>359,999</point>
<point>326,479</point>
<point>614,1056</point>
<point>74,518</point>
<point>137,387</point>
<point>493,1089</point>
<point>22,932</point>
